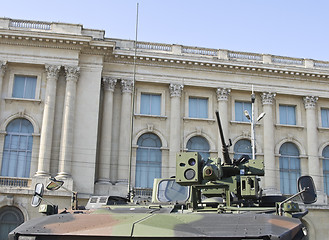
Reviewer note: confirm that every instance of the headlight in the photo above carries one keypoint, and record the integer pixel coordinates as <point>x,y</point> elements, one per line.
<point>26,238</point>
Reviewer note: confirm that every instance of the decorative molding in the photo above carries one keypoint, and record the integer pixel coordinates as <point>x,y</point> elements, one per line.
<point>20,114</point>
<point>268,97</point>
<point>292,139</point>
<point>175,90</point>
<point>150,127</point>
<point>52,71</point>
<point>196,133</point>
<point>246,134</point>
<point>109,83</point>
<point>3,67</point>
<point>127,86</point>
<point>310,101</point>
<point>72,73</point>
<point>164,142</point>
<point>227,66</point>
<point>222,94</point>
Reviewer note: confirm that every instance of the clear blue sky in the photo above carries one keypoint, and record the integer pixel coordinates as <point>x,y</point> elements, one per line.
<point>294,28</point>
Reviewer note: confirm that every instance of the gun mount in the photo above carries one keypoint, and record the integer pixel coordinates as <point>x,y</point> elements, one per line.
<point>237,181</point>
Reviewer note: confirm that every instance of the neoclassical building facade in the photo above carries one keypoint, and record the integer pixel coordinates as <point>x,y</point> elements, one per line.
<point>105,118</point>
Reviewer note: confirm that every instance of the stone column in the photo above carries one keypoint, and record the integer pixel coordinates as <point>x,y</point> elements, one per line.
<point>66,147</point>
<point>175,125</point>
<point>222,99</point>
<point>105,165</point>
<point>127,88</point>
<point>312,141</point>
<point>269,144</point>
<point>3,67</point>
<point>48,121</point>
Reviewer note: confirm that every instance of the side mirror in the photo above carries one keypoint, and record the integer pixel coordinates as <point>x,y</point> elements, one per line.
<point>307,187</point>
<point>54,184</point>
<point>38,193</point>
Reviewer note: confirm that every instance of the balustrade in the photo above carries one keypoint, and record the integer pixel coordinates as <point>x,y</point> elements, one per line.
<point>30,24</point>
<point>15,182</point>
<point>154,46</point>
<point>245,56</point>
<point>199,51</point>
<point>321,64</point>
<point>287,61</point>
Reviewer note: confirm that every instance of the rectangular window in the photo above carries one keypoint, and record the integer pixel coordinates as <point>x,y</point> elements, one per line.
<point>198,107</point>
<point>325,117</point>
<point>24,87</point>
<point>287,114</point>
<point>240,107</point>
<point>150,104</point>
<point>326,175</point>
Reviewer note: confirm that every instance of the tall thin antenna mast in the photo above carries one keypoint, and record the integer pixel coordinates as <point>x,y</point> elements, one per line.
<point>133,102</point>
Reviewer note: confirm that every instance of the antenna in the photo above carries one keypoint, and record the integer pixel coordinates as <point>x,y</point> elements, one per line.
<point>133,102</point>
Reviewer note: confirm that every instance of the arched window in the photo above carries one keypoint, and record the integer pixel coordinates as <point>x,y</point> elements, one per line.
<point>148,160</point>
<point>17,150</point>
<point>10,218</point>
<point>325,155</point>
<point>200,145</point>
<point>289,168</point>
<point>242,147</point>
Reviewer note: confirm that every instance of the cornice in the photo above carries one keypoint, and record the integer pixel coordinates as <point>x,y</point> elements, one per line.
<point>219,65</point>
<point>55,40</point>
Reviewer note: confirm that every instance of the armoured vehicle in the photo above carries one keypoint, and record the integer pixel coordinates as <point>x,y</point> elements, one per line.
<point>206,200</point>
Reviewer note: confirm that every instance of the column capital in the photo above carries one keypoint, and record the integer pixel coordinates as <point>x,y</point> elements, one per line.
<point>72,73</point>
<point>267,97</point>
<point>222,94</point>
<point>175,90</point>
<point>3,67</point>
<point>109,83</point>
<point>310,101</point>
<point>52,71</point>
<point>127,86</point>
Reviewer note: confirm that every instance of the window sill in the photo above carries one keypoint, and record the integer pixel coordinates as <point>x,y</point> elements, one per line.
<point>150,116</point>
<point>10,100</point>
<point>238,122</point>
<point>323,129</point>
<point>209,120</point>
<point>288,126</point>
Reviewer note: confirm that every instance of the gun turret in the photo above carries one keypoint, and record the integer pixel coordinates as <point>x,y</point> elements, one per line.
<point>236,180</point>
<point>226,156</point>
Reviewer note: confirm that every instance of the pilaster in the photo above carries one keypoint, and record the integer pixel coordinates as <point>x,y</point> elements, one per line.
<point>222,100</point>
<point>312,141</point>
<point>106,169</point>
<point>269,144</point>
<point>48,121</point>
<point>66,147</point>
<point>175,124</point>
<point>3,68</point>
<point>123,161</point>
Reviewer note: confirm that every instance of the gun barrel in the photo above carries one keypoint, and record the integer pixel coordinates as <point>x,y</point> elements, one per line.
<point>227,159</point>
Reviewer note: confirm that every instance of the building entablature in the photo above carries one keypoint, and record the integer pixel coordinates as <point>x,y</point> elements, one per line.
<point>220,60</point>
<point>221,66</point>
<point>53,35</point>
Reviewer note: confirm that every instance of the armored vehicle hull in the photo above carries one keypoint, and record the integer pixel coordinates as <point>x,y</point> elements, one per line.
<point>157,223</point>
